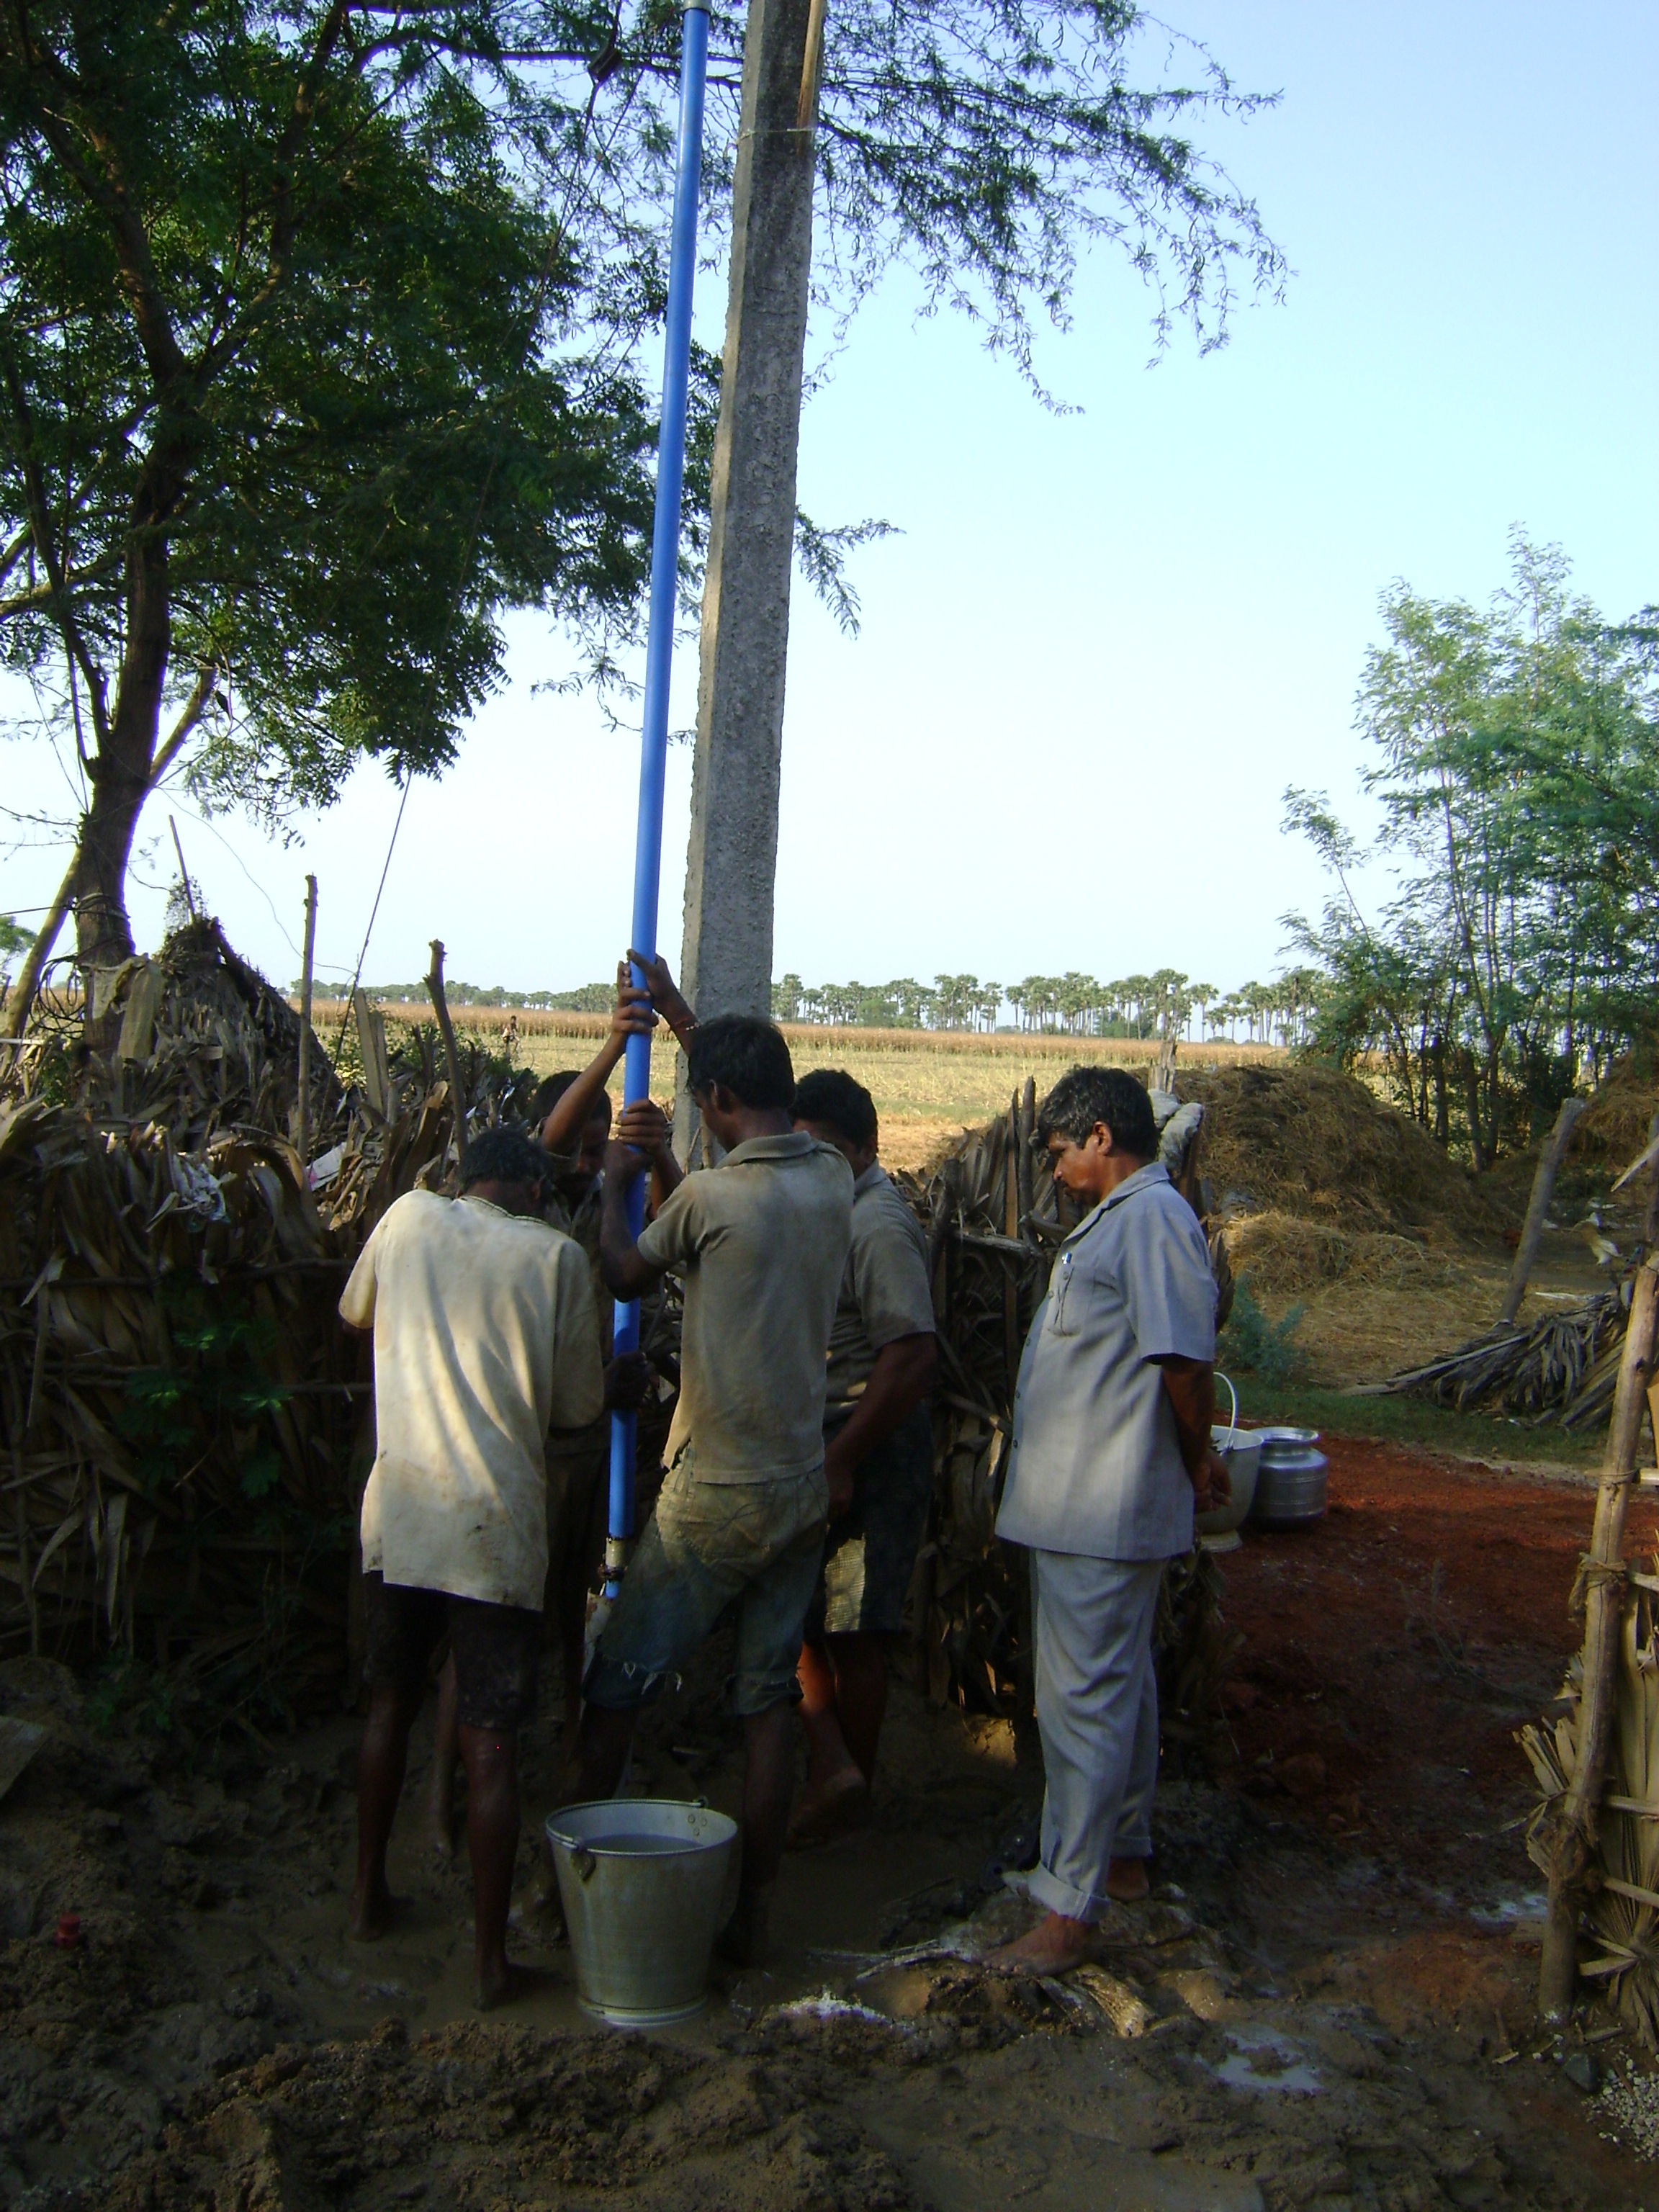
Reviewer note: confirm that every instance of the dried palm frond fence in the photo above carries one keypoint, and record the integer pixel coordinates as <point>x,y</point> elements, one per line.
<point>185,1430</point>
<point>993,1219</point>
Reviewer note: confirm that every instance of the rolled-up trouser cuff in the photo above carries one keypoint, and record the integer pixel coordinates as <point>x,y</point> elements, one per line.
<point>1060,1897</point>
<point>618,1686</point>
<point>751,1695</point>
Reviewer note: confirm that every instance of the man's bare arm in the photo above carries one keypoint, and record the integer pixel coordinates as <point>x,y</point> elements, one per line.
<point>562,1131</point>
<point>1189,1386</point>
<point>901,1378</point>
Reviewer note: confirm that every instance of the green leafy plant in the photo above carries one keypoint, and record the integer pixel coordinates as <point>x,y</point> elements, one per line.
<point>1264,1348</point>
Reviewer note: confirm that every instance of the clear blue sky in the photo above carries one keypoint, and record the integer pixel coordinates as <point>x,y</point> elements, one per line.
<point>1105,641</point>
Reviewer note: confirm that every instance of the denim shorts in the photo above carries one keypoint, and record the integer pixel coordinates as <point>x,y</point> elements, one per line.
<point>870,1553</point>
<point>708,1545</point>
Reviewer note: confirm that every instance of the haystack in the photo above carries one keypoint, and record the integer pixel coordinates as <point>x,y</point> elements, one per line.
<point>1312,1143</point>
<point>1613,1130</point>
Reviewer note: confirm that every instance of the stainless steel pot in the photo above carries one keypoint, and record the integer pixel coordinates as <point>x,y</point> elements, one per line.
<point>1292,1479</point>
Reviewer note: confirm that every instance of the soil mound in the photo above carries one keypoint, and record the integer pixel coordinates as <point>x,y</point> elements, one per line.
<point>1310,1142</point>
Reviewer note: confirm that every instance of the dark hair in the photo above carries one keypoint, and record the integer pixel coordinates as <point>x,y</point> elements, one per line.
<point>747,1055</point>
<point>830,1097</point>
<point>552,1088</point>
<point>1110,1095</point>
<point>504,1155</point>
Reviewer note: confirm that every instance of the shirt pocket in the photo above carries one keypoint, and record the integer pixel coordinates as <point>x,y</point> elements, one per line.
<point>1065,1295</point>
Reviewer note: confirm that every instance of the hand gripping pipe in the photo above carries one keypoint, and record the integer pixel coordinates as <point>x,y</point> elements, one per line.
<point>658,657</point>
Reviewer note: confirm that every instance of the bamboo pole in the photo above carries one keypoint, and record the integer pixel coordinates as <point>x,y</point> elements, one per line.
<point>183,873</point>
<point>434,984</point>
<point>302,1115</point>
<point>1543,1187</point>
<point>1568,1837</point>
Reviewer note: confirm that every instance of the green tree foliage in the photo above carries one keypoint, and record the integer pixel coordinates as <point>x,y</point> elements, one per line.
<point>305,376</point>
<point>1515,753</point>
<point>324,322</point>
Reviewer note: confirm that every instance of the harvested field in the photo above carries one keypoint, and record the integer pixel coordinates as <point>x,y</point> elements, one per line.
<point>928,1084</point>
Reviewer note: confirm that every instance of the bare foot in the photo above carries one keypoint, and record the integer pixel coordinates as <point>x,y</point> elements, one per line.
<point>375,1913</point>
<point>1053,1947</point>
<point>841,1804</point>
<point>743,1940</point>
<point>1128,1882</point>
<point>501,1982</point>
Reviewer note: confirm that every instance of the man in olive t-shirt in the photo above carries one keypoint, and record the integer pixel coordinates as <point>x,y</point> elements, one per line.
<point>760,1242</point>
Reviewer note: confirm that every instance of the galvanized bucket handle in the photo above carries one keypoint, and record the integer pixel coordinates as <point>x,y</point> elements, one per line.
<point>1232,1425</point>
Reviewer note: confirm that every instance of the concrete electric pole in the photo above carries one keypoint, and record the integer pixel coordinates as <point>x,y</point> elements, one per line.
<point>726,959</point>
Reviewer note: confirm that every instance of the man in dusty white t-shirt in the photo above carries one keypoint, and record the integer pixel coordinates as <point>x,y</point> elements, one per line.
<point>485,1334</point>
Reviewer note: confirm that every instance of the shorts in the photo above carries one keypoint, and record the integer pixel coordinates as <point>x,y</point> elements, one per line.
<point>497,1650</point>
<point>578,1508</point>
<point>707,1546</point>
<point>870,1553</point>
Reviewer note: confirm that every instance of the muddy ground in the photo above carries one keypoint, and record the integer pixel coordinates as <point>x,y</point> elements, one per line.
<point>1336,1970</point>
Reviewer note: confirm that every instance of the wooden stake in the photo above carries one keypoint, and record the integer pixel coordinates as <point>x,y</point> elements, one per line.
<point>183,873</point>
<point>302,1112</point>
<point>1543,1186</point>
<point>1566,1840</point>
<point>434,984</point>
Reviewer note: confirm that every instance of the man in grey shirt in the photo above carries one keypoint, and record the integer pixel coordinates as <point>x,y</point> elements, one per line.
<point>878,1464</point>
<point>1111,1454</point>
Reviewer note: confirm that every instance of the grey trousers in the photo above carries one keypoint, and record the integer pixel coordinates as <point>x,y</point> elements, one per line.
<point>1097,1711</point>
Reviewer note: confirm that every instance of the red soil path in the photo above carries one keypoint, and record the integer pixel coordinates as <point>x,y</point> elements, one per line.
<point>1392,1650</point>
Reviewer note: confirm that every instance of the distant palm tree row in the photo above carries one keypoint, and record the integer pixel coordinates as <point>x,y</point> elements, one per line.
<point>1163,1004</point>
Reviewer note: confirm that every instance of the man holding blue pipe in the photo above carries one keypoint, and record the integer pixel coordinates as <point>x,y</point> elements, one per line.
<point>760,1243</point>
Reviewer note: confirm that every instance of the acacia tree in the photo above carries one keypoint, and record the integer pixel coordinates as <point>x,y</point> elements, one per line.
<point>1517,753</point>
<point>322,319</point>
<point>300,387</point>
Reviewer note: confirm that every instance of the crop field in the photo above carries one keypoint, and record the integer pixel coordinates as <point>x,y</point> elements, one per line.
<point>928,1084</point>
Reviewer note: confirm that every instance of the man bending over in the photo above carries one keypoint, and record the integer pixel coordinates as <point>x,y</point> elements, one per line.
<point>760,1242</point>
<point>878,1463</point>
<point>485,1333</point>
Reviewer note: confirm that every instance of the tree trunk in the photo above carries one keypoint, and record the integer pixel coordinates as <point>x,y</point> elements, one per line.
<point>29,975</point>
<point>726,957</point>
<point>1543,1183</point>
<point>1472,1107</point>
<point>120,772</point>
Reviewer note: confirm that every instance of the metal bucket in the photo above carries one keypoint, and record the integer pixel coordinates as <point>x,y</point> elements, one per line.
<point>642,1881</point>
<point>1292,1480</point>
<point>1241,1450</point>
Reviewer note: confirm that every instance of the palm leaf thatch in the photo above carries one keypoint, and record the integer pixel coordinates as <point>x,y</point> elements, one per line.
<point>185,1435</point>
<point>1562,1368</point>
<point>1622,1919</point>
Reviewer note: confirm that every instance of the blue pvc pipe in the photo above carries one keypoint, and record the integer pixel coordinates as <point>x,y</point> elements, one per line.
<point>658,658</point>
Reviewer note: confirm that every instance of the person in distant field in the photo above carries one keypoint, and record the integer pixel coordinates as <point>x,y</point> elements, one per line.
<point>484,1334</point>
<point>760,1242</point>
<point>1111,1454</point>
<point>877,1465</point>
<point>570,1115</point>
